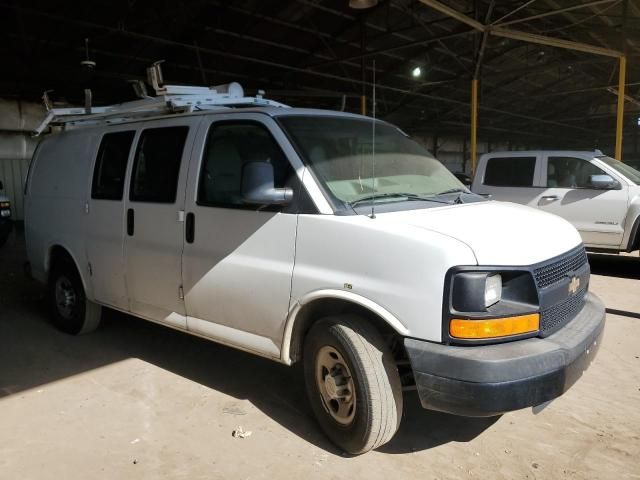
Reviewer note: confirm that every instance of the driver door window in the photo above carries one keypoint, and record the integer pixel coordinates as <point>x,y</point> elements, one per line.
<point>570,172</point>
<point>229,147</point>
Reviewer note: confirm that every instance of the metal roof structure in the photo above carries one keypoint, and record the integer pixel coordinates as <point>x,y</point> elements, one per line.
<point>319,53</point>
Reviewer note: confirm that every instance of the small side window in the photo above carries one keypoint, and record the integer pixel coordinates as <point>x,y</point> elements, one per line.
<point>570,172</point>
<point>510,171</point>
<point>111,165</point>
<point>157,165</point>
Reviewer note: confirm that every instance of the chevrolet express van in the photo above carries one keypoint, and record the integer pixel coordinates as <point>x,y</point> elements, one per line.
<point>300,236</point>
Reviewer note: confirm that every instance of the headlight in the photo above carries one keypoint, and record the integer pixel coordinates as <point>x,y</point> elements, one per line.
<point>489,305</point>
<point>492,290</point>
<point>5,209</point>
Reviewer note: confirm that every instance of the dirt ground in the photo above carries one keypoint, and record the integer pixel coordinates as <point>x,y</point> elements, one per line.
<point>136,400</point>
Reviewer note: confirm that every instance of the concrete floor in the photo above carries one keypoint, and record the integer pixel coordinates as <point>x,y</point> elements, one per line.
<point>136,400</point>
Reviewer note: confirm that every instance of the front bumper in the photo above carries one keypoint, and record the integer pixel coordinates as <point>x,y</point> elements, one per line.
<point>483,381</point>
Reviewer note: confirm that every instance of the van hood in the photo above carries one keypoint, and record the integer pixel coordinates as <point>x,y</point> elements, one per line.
<point>499,233</point>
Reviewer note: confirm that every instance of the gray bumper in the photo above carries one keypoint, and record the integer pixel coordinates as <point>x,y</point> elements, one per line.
<point>493,379</point>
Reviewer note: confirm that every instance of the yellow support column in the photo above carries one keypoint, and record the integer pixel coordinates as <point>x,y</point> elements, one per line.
<point>474,124</point>
<point>363,105</point>
<point>620,111</point>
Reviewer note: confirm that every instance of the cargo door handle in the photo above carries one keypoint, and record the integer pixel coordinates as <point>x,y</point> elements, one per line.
<point>190,228</point>
<point>130,222</point>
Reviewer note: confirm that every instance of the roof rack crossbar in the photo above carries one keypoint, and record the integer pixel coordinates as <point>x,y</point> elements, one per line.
<point>169,99</point>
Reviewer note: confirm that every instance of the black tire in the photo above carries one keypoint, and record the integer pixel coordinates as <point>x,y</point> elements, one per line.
<point>375,416</point>
<point>72,312</point>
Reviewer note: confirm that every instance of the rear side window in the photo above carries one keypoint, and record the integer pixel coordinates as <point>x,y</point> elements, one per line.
<point>157,165</point>
<point>111,165</point>
<point>510,171</point>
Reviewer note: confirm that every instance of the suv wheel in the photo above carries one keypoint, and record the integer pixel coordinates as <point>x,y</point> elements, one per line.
<point>352,383</point>
<point>72,312</point>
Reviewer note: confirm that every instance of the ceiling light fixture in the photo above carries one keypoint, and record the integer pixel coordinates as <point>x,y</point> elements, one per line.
<point>416,72</point>
<point>362,4</point>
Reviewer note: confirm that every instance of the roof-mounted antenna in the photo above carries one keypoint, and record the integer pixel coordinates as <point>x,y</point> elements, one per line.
<point>87,63</point>
<point>373,143</point>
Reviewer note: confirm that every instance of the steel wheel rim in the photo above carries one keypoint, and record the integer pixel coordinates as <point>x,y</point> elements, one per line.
<point>336,385</point>
<point>66,298</point>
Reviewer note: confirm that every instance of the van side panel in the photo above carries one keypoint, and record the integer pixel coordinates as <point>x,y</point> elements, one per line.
<point>55,202</point>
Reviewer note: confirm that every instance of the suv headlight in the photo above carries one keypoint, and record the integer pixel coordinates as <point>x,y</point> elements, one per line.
<point>489,305</point>
<point>5,209</point>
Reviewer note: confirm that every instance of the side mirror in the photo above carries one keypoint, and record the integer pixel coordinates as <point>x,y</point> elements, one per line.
<point>603,182</point>
<point>258,186</point>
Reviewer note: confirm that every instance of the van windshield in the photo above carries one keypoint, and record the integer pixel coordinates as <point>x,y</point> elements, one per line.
<point>339,151</point>
<point>626,170</point>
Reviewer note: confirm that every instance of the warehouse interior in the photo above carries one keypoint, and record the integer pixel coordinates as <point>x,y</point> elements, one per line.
<point>462,77</point>
<point>320,54</point>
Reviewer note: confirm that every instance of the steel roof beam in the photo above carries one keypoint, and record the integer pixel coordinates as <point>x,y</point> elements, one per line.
<point>518,35</point>
<point>554,12</point>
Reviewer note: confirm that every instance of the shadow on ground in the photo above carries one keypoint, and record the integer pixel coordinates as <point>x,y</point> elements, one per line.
<point>33,353</point>
<point>622,266</point>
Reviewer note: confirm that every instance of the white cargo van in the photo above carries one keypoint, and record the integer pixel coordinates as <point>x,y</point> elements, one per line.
<point>292,234</point>
<point>599,195</point>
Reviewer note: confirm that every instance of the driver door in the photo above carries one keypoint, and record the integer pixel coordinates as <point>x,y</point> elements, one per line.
<point>598,214</point>
<point>238,259</point>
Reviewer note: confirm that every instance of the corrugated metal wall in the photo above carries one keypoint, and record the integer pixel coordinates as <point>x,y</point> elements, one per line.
<point>17,120</point>
<point>454,151</point>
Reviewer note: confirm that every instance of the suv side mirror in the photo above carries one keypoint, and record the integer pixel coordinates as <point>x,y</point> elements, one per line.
<point>603,182</point>
<point>258,186</point>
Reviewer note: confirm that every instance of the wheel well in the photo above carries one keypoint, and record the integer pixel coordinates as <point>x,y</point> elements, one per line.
<point>634,237</point>
<point>324,307</point>
<point>58,254</point>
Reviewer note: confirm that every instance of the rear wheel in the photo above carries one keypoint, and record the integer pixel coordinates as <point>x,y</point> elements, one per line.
<point>72,312</point>
<point>352,383</point>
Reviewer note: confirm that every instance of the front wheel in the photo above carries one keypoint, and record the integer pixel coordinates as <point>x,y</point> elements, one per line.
<point>72,312</point>
<point>352,383</point>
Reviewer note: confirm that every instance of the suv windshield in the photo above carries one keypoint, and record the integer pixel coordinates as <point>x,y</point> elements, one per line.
<point>629,172</point>
<point>339,150</point>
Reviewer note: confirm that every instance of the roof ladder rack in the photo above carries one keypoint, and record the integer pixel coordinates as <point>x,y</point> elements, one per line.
<point>169,99</point>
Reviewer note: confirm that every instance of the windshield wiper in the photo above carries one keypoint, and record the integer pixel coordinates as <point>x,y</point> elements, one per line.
<point>457,190</point>
<point>408,196</point>
<point>453,190</point>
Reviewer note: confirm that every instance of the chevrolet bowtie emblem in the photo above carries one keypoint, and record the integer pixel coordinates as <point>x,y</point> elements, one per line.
<point>574,285</point>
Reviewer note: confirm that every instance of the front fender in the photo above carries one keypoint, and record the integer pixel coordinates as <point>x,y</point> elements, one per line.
<point>333,294</point>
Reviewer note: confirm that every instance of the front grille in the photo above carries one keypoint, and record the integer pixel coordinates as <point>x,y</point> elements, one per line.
<point>561,313</point>
<point>554,272</point>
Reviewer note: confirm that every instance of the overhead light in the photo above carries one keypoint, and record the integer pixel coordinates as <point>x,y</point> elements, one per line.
<point>362,4</point>
<point>416,72</point>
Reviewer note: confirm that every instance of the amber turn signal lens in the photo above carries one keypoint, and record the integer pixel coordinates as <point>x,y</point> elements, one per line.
<point>495,327</point>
